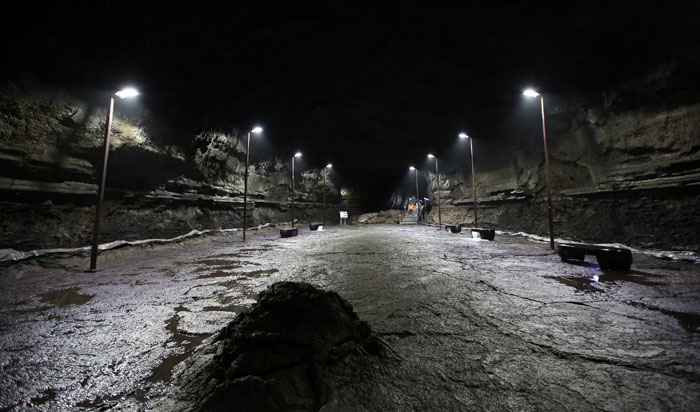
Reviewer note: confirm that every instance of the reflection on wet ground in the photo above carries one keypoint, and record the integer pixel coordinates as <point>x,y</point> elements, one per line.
<point>216,262</point>
<point>257,273</point>
<point>47,395</point>
<point>186,342</point>
<point>239,276</point>
<point>444,302</point>
<point>593,283</point>
<point>217,274</point>
<point>64,297</point>
<point>581,284</point>
<point>689,321</point>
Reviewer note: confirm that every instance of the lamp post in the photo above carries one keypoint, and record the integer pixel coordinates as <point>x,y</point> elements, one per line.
<point>325,170</point>
<point>532,93</point>
<point>437,172</point>
<point>122,94</point>
<point>416,170</point>
<point>256,129</point>
<point>297,154</point>
<point>471,151</point>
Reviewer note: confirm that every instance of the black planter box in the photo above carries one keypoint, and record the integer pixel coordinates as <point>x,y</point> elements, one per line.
<point>314,225</point>
<point>453,228</point>
<point>289,232</point>
<point>488,234</point>
<point>611,258</point>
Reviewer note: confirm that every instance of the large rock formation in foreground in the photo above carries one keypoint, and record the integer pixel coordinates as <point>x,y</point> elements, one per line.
<point>288,353</point>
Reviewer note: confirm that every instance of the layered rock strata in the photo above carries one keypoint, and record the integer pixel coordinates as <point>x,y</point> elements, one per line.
<point>51,146</point>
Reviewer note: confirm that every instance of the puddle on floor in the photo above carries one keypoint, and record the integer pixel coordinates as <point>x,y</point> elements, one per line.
<point>64,297</point>
<point>248,250</point>
<point>104,402</point>
<point>257,273</point>
<point>581,284</point>
<point>245,275</point>
<point>217,262</point>
<point>594,282</point>
<point>228,308</point>
<point>216,274</point>
<point>13,307</point>
<point>689,321</point>
<point>164,371</point>
<point>48,395</point>
<point>234,255</point>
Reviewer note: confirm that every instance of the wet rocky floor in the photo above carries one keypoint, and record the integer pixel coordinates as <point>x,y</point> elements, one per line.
<point>474,325</point>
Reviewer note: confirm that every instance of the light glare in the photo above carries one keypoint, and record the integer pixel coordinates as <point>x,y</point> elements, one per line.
<point>411,168</point>
<point>329,165</point>
<point>298,154</point>
<point>128,92</point>
<point>430,156</point>
<point>463,136</point>
<point>257,129</point>
<point>530,93</point>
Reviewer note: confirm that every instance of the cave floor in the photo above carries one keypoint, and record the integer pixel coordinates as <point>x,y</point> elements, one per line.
<point>502,325</point>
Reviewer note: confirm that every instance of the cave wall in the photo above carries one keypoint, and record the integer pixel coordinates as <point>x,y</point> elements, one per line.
<point>51,145</point>
<point>625,169</point>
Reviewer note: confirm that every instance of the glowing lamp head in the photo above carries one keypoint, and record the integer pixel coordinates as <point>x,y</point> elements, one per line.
<point>329,165</point>
<point>257,129</point>
<point>463,136</point>
<point>530,93</point>
<point>430,156</point>
<point>128,92</point>
<point>411,168</point>
<point>297,154</point>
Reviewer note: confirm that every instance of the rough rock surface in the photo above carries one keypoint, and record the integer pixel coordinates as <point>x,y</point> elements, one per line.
<point>625,168</point>
<point>51,156</point>
<point>285,354</point>
<point>384,216</point>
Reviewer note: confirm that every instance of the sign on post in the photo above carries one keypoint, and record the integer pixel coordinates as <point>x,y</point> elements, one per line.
<point>343,217</point>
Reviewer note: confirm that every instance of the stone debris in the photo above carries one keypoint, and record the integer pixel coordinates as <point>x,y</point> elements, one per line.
<point>286,354</point>
<point>384,216</point>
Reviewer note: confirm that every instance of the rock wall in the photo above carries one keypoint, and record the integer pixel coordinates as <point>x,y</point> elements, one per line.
<point>625,168</point>
<point>51,145</point>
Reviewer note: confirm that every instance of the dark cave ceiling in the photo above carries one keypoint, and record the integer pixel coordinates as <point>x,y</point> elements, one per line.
<point>368,85</point>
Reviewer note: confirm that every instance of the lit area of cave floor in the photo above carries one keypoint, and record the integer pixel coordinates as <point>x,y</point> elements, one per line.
<point>476,325</point>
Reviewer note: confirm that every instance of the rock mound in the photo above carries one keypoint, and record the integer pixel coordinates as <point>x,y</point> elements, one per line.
<point>279,356</point>
<point>384,216</point>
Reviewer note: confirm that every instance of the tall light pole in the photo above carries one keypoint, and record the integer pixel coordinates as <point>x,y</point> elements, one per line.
<point>437,172</point>
<point>122,94</point>
<point>471,151</point>
<point>532,93</point>
<point>325,169</point>
<point>416,170</point>
<point>256,129</point>
<point>297,154</point>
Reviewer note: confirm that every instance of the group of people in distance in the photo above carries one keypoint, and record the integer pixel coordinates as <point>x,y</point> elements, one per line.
<point>416,207</point>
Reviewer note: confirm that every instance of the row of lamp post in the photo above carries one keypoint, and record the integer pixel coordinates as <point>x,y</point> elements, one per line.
<point>437,172</point>
<point>131,92</point>
<point>258,129</point>
<point>528,93</point>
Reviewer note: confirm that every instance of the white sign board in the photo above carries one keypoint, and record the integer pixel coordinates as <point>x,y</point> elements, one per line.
<point>343,214</point>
